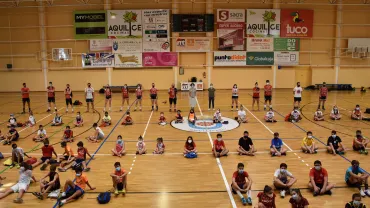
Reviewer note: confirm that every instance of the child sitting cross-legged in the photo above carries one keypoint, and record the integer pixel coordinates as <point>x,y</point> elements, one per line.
<point>159,149</point>
<point>162,119</point>
<point>128,120</point>
<point>106,121</point>
<point>119,149</point>
<point>119,178</point>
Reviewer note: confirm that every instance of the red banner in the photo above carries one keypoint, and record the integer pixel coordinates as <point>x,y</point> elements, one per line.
<point>296,23</point>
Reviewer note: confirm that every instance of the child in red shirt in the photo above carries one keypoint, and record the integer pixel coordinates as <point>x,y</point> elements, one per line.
<point>128,120</point>
<point>219,148</point>
<point>179,118</point>
<point>319,184</point>
<point>256,96</point>
<point>239,184</point>
<point>68,135</point>
<point>119,178</point>
<point>160,146</point>
<point>266,198</point>
<point>190,146</point>
<point>47,154</point>
<point>162,119</point>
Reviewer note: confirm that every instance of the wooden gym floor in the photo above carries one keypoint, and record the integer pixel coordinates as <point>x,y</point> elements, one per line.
<point>170,180</point>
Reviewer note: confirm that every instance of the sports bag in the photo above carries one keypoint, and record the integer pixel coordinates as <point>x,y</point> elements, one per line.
<point>191,155</point>
<point>103,198</point>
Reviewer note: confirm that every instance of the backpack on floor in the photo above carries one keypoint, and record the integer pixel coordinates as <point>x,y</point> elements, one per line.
<point>77,102</point>
<point>287,117</point>
<point>367,110</point>
<point>8,162</point>
<point>103,198</point>
<point>102,91</point>
<point>191,155</point>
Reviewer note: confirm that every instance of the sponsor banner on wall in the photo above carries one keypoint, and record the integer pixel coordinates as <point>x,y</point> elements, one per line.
<point>229,58</point>
<point>160,59</point>
<point>192,22</point>
<point>90,24</point>
<point>287,58</point>
<point>192,44</point>
<point>260,44</point>
<point>100,45</point>
<point>263,22</point>
<point>286,44</point>
<point>97,60</point>
<point>124,24</point>
<point>128,60</point>
<point>127,45</point>
<point>260,58</point>
<point>156,30</point>
<point>296,23</point>
<point>231,29</point>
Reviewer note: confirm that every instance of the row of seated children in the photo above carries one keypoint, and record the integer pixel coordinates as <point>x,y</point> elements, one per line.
<point>358,115</point>
<point>42,135</point>
<point>12,122</point>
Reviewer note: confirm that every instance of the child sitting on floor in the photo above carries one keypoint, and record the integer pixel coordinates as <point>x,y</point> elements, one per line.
<point>140,145</point>
<point>98,134</point>
<point>360,143</point>
<point>242,115</point>
<point>162,119</point>
<point>48,186</point>
<point>295,115</point>
<point>319,116</point>
<point>308,144</point>
<point>41,135</point>
<point>106,121</point>
<point>192,117</point>
<point>11,136</point>
<point>79,121</point>
<point>217,117</point>
<point>31,121</point>
<point>68,156</point>
<point>270,116</point>
<point>68,135</point>
<point>119,178</point>
<point>80,160</point>
<point>160,146</point>
<point>119,149</point>
<point>128,120</point>
<point>179,118</point>
<point>190,146</point>
<point>12,121</point>
<point>57,121</point>
<point>356,113</point>
<point>335,115</point>
<point>277,146</point>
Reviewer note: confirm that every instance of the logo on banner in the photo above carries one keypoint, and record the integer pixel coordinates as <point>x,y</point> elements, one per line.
<point>115,45</point>
<point>297,23</point>
<point>230,15</point>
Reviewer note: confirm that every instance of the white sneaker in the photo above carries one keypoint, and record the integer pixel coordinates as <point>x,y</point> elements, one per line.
<point>66,110</point>
<point>282,193</point>
<point>367,192</point>
<point>72,110</point>
<point>362,193</point>
<point>209,109</point>
<point>64,194</point>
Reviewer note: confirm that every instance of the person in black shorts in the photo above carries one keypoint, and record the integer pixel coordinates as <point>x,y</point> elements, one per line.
<point>172,92</point>
<point>246,146</point>
<point>68,95</point>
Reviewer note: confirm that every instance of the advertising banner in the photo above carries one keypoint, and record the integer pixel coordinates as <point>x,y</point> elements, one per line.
<point>100,45</point>
<point>124,24</point>
<point>229,58</point>
<point>160,59</point>
<point>156,32</point>
<point>192,44</point>
<point>260,58</point>
<point>260,44</point>
<point>193,22</point>
<point>231,29</point>
<point>131,60</point>
<point>263,23</point>
<point>296,23</point>
<point>287,58</point>
<point>286,44</point>
<point>90,24</point>
<point>127,45</point>
<point>97,60</point>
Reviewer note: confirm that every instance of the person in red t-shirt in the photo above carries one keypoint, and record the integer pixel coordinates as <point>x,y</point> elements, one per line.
<point>162,119</point>
<point>256,96</point>
<point>47,154</point>
<point>240,184</point>
<point>266,199</point>
<point>190,146</point>
<point>68,94</point>
<point>68,135</point>
<point>154,97</point>
<point>25,98</point>
<point>125,97</point>
<point>139,96</point>
<point>219,148</point>
<point>172,92</point>
<point>119,178</point>
<point>297,200</point>
<point>108,97</point>
<point>268,94</point>
<point>319,184</point>
<point>323,94</point>
<point>51,96</point>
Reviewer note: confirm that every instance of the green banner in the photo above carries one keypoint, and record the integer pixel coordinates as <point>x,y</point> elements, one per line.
<point>260,58</point>
<point>286,44</point>
<point>90,24</point>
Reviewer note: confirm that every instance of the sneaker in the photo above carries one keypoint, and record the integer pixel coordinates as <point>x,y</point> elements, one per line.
<point>66,110</point>
<point>367,192</point>
<point>340,153</point>
<point>48,110</point>
<point>315,193</point>
<point>116,192</point>
<point>123,191</point>
<point>323,108</point>
<point>64,194</point>
<point>282,193</point>
<point>61,203</point>
<point>329,192</point>
<point>237,109</point>
<point>43,167</point>
<point>362,193</point>
<point>87,170</point>
<point>72,110</point>
<point>170,110</point>
<point>209,109</point>
<point>365,152</point>
<point>249,201</point>
<point>361,152</point>
<point>244,201</point>
<point>18,201</point>
<point>264,108</point>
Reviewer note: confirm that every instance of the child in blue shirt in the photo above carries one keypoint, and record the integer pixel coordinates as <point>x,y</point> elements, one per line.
<point>277,146</point>
<point>356,176</point>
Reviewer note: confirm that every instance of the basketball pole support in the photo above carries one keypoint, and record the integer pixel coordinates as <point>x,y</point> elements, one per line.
<point>175,69</point>
<point>108,6</point>
<point>276,5</point>
<point>209,63</point>
<point>43,44</point>
<point>338,35</point>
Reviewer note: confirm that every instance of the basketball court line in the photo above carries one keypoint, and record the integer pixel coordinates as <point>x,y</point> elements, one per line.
<point>232,200</point>
<point>273,133</point>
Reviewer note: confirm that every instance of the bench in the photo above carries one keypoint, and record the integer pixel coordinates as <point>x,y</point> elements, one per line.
<point>119,88</point>
<point>336,86</point>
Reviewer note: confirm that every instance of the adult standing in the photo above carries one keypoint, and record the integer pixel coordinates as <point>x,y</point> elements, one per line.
<point>192,95</point>
<point>89,94</point>
<point>139,96</point>
<point>172,92</point>
<point>25,98</point>
<point>154,97</point>
<point>51,96</point>
<point>297,92</point>
<point>125,97</point>
<point>268,94</point>
<point>211,97</point>
<point>234,97</point>
<point>68,94</point>
<point>323,94</point>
